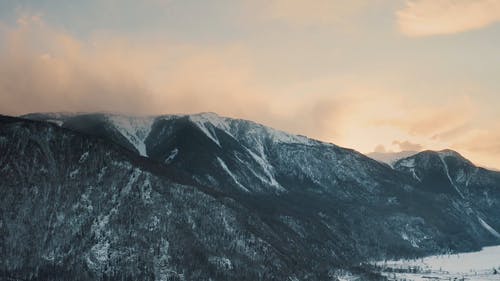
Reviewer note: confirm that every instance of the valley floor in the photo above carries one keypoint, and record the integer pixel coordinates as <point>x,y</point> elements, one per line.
<point>477,266</point>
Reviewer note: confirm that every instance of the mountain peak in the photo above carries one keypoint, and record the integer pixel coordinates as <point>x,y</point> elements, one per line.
<point>135,128</point>
<point>450,153</point>
<point>444,154</point>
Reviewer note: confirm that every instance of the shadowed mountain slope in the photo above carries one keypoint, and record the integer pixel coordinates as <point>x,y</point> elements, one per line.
<point>198,196</point>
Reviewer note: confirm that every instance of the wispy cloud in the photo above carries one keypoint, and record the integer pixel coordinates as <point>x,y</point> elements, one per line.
<point>430,120</point>
<point>435,17</point>
<point>482,141</point>
<point>481,145</point>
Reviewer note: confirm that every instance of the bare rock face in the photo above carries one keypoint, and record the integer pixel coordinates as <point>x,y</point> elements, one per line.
<point>203,197</point>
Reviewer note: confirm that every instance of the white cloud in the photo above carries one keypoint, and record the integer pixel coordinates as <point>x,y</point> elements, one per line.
<point>435,17</point>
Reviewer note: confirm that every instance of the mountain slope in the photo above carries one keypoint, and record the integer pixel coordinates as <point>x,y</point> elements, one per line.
<point>448,172</point>
<point>303,208</point>
<point>241,157</point>
<point>80,208</point>
<point>248,155</point>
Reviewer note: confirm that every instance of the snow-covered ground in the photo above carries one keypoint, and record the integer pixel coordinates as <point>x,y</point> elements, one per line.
<point>476,266</point>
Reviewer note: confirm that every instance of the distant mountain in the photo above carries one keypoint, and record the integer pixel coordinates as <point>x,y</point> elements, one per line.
<point>390,157</point>
<point>199,197</point>
<point>448,172</point>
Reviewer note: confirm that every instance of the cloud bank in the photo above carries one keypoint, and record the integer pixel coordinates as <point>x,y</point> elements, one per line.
<point>44,68</point>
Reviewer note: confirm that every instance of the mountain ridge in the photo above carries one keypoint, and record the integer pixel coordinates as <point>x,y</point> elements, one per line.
<point>204,120</point>
<point>307,202</point>
<point>221,122</point>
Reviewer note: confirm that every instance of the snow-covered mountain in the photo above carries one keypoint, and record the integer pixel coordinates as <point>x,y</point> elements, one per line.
<point>448,172</point>
<point>247,155</point>
<point>199,197</point>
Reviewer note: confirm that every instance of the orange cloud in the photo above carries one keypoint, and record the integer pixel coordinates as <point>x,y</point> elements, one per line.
<point>482,146</point>
<point>482,141</point>
<point>43,68</point>
<point>435,17</point>
<point>380,148</point>
<point>407,146</point>
<point>46,69</point>
<point>430,120</point>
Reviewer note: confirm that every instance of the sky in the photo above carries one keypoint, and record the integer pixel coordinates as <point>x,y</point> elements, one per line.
<point>373,75</point>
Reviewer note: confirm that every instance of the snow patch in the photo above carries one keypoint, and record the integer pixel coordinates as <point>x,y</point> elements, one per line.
<point>153,224</point>
<point>221,262</point>
<point>415,175</point>
<point>55,121</point>
<point>100,251</point>
<point>226,169</point>
<point>282,137</point>
<point>73,173</point>
<point>412,241</point>
<point>489,228</point>
<point>99,226</point>
<point>441,156</point>
<point>268,171</point>
<point>134,129</point>
<point>344,275</point>
<point>207,122</point>
<point>408,163</point>
<point>470,266</point>
<point>133,178</point>
<point>172,155</point>
<point>146,190</point>
<point>83,157</point>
